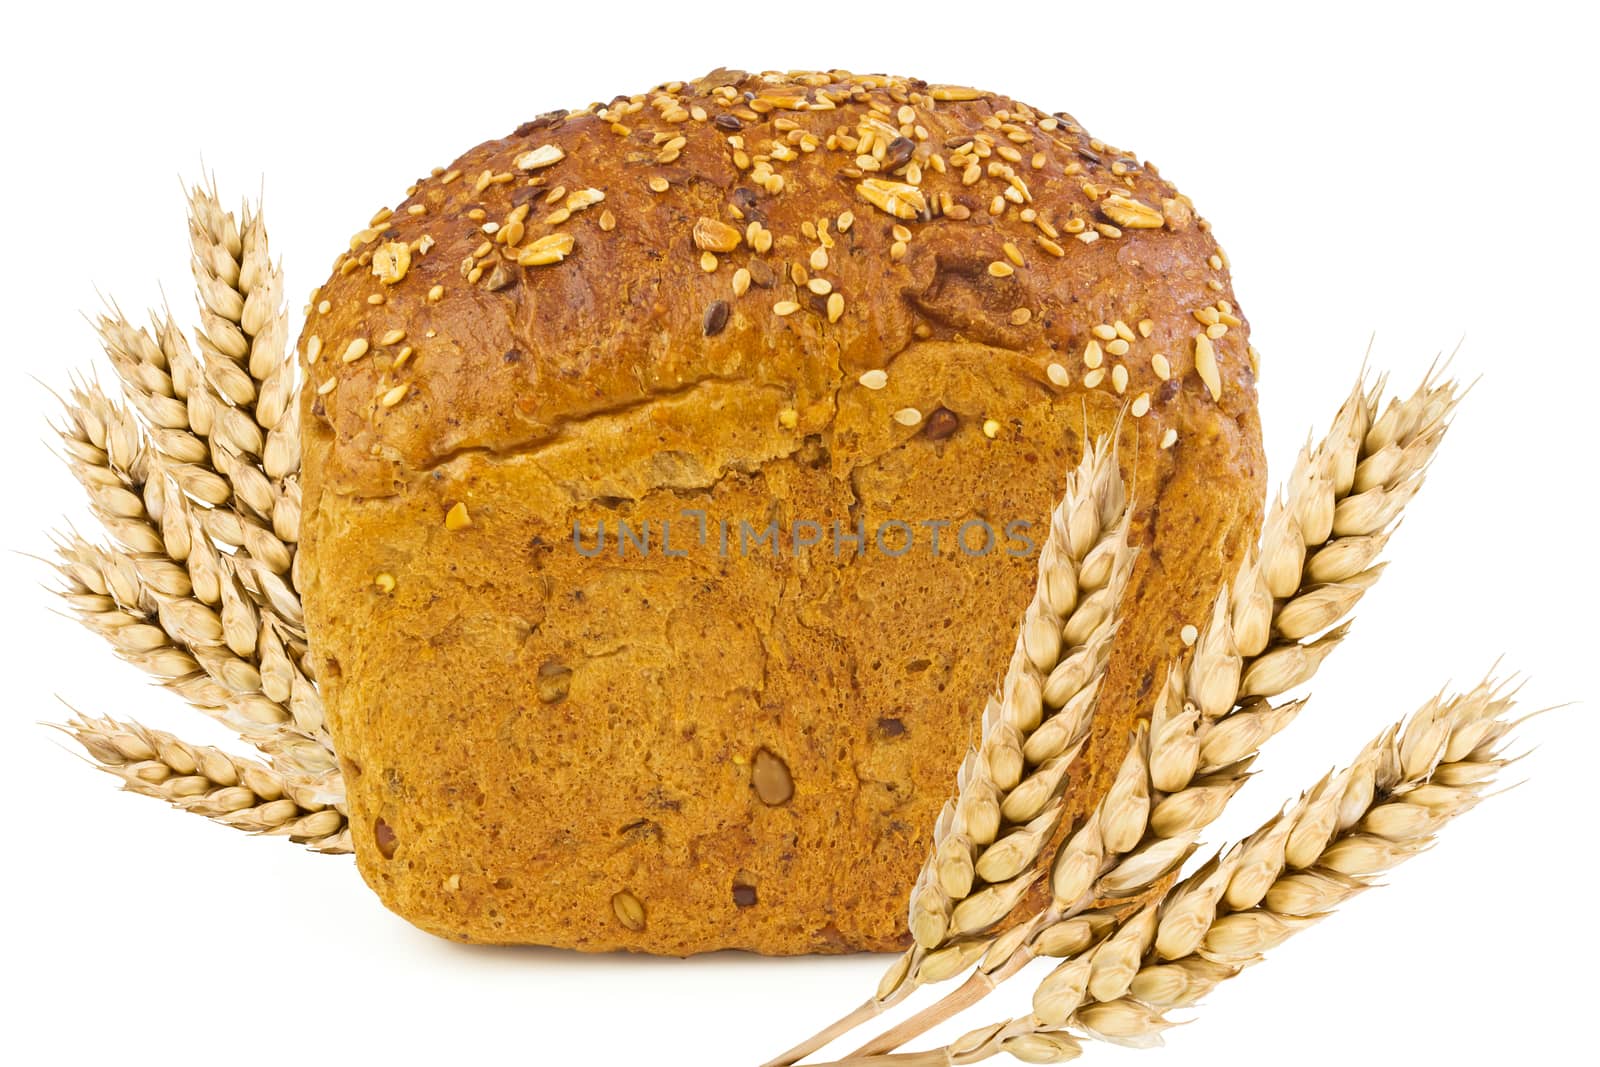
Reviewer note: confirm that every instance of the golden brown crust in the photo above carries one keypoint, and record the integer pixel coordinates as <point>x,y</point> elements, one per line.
<point>543,731</point>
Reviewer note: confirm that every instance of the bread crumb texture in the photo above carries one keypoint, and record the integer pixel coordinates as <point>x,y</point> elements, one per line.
<point>780,298</point>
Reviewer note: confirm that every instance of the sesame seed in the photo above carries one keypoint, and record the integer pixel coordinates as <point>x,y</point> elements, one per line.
<point>395,395</point>
<point>384,582</point>
<point>1104,332</point>
<point>874,379</point>
<point>1216,330</point>
<point>1169,438</point>
<point>1050,246</point>
<point>1119,378</point>
<point>1058,375</point>
<point>1189,634</point>
<point>608,221</point>
<point>835,306</point>
<point>846,220</point>
<point>1020,316</point>
<point>393,337</point>
<point>457,518</point>
<point>1161,366</point>
<point>1093,379</point>
<point>819,259</point>
<point>820,286</point>
<point>1092,356</point>
<point>658,184</point>
<point>355,350</point>
<point>785,308</point>
<point>1146,327</point>
<point>1118,347</point>
<point>708,261</point>
<point>788,418</point>
<point>1216,262</point>
<point>1141,404</point>
<point>1123,331</point>
<point>323,307</point>
<point>313,348</point>
<point>1013,253</point>
<point>1205,364</point>
<point>327,387</point>
<point>741,281</point>
<point>1001,269</point>
<point>897,251</point>
<point>401,359</point>
<point>435,294</point>
<point>908,416</point>
<point>991,429</point>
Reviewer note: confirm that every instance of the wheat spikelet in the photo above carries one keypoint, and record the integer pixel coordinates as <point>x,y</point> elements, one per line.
<point>989,837</point>
<point>1333,844</point>
<point>241,793</point>
<point>1210,718</point>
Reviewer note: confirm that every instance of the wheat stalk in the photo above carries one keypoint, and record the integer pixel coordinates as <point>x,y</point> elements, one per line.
<point>1346,831</point>
<point>988,838</point>
<point>195,479</point>
<point>1210,718</point>
<point>242,793</point>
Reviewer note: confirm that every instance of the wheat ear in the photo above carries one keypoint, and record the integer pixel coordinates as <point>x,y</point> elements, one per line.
<point>1334,843</point>
<point>242,793</point>
<point>988,838</point>
<point>1210,718</point>
<point>169,601</point>
<point>196,482</point>
<point>1008,789</point>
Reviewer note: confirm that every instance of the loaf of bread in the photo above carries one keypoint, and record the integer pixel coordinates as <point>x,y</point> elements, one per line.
<point>675,471</point>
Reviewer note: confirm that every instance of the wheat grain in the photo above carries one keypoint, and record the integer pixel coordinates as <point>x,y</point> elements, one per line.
<point>1345,832</point>
<point>1211,717</point>
<point>241,793</point>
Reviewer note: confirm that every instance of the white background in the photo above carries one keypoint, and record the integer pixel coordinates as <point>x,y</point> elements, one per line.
<point>1425,176</point>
